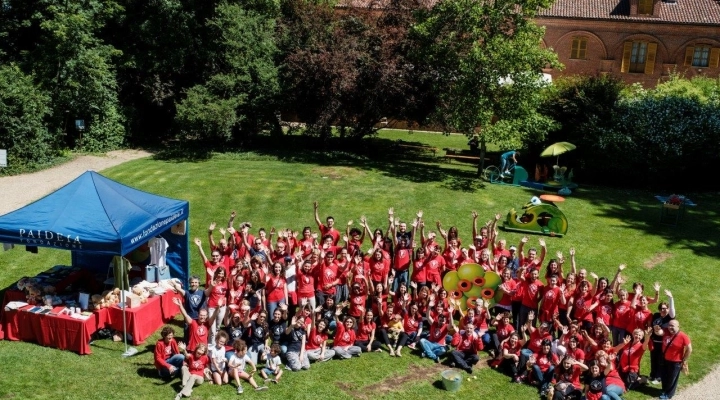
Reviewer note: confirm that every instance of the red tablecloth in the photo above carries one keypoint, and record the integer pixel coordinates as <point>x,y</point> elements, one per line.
<point>144,320</point>
<point>58,331</point>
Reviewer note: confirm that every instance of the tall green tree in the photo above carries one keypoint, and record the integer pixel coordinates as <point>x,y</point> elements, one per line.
<point>76,67</point>
<point>240,93</point>
<point>23,109</point>
<point>483,61</point>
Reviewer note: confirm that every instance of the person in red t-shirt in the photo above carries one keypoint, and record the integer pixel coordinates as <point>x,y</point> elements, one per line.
<point>511,356</point>
<point>465,355</point>
<point>328,229</point>
<point>316,345</point>
<point>677,348</point>
<point>365,338</point>
<point>551,300</point>
<point>344,342</point>
<point>200,328</point>
<point>631,352</point>
<point>168,360</point>
<point>193,372</point>
<point>503,330</point>
<point>435,265</point>
<point>211,266</point>
<point>419,270</point>
<point>379,267</point>
<point>531,290</point>
<point>434,346</point>
<point>543,366</point>
<point>581,305</point>
<point>567,378</point>
<point>326,278</point>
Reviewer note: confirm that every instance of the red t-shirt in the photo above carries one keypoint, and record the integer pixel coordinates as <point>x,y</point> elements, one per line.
<point>544,361</point>
<point>470,343</point>
<point>198,334</point>
<point>642,320</point>
<point>315,340</point>
<point>504,331</point>
<point>343,337</point>
<point>379,269</point>
<point>535,340</point>
<point>621,316</point>
<point>357,303</point>
<point>580,306</point>
<point>434,265</point>
<point>365,330</point>
<point>210,269</point>
<point>550,302</point>
<point>453,258</point>
<point>419,271</point>
<point>512,350</point>
<point>324,231</point>
<point>305,284</point>
<point>530,293</point>
<point>219,291</point>
<point>411,324</point>
<point>275,288</point>
<point>164,351</point>
<point>630,357</point>
<point>675,348</point>
<point>197,365</point>
<point>328,275</point>
<point>605,312</point>
<point>401,262</point>
<point>572,376</point>
<point>438,333</point>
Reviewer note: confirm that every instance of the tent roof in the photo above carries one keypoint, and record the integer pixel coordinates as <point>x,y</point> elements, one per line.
<point>95,214</point>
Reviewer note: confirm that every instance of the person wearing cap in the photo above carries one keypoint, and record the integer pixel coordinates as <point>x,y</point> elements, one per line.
<point>513,261</point>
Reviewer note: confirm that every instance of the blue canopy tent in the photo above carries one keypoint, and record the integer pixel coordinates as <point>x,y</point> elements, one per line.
<point>97,218</point>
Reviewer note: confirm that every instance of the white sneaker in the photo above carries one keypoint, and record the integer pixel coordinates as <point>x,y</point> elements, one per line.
<point>240,389</point>
<point>178,396</point>
<point>655,382</point>
<point>261,388</point>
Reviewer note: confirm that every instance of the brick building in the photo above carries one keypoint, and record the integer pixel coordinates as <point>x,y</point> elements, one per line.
<point>636,40</point>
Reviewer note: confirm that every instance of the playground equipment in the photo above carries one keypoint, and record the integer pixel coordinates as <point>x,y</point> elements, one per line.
<point>541,215</point>
<point>517,175</point>
<point>470,284</point>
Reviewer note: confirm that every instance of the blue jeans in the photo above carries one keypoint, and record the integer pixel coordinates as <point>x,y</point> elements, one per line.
<point>401,276</point>
<point>272,306</point>
<point>176,361</point>
<point>612,392</point>
<point>545,378</point>
<point>432,350</point>
<point>504,163</point>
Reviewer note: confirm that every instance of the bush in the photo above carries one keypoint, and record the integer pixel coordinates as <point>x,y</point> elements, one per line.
<point>23,132</point>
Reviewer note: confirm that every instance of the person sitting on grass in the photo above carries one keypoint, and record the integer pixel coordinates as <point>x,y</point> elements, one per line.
<point>465,354</point>
<point>168,359</point>
<point>316,345</point>
<point>296,356</point>
<point>193,372</point>
<point>344,343</point>
<point>218,361</point>
<point>273,365</point>
<point>236,366</point>
<point>435,345</point>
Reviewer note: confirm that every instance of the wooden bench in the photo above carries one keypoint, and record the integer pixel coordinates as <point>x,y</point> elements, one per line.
<point>451,157</point>
<point>430,149</point>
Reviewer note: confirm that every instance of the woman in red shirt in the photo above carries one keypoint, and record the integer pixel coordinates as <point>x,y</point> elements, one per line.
<point>511,356</point>
<point>581,306</point>
<point>193,372</point>
<point>365,339</point>
<point>631,353</point>
<point>543,366</point>
<point>344,343</point>
<point>316,344</point>
<point>276,291</point>
<point>419,270</point>
<point>412,328</point>
<point>218,289</point>
<point>168,359</point>
<point>567,378</point>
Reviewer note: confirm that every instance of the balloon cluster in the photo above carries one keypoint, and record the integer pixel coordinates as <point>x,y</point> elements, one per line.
<point>470,284</point>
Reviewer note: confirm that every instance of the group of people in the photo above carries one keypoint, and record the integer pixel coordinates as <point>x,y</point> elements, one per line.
<point>279,297</point>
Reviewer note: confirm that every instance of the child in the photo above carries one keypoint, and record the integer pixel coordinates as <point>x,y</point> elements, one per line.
<point>193,370</point>
<point>236,366</point>
<point>273,366</point>
<point>218,360</point>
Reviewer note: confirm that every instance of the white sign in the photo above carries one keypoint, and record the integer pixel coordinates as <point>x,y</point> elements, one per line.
<point>3,158</point>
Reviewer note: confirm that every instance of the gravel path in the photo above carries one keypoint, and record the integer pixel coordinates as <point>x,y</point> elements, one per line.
<point>20,190</point>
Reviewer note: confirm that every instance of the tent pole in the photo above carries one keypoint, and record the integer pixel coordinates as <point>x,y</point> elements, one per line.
<point>128,351</point>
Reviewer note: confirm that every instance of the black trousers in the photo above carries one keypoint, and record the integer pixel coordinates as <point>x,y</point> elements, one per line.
<point>464,359</point>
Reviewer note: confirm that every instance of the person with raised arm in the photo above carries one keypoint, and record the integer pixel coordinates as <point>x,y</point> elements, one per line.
<point>296,355</point>
<point>435,346</point>
<point>328,229</point>
<point>200,329</point>
<point>211,266</point>
<point>316,345</point>
<point>532,261</point>
<point>465,355</point>
<point>344,343</point>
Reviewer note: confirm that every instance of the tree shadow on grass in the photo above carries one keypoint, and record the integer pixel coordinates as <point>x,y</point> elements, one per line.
<point>698,230</point>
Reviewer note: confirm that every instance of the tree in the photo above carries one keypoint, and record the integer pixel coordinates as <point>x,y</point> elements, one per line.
<point>348,69</point>
<point>241,90</point>
<point>23,109</point>
<point>76,68</point>
<point>482,60</point>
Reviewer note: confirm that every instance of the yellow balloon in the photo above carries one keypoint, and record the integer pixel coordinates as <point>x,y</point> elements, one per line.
<point>474,292</point>
<point>450,281</point>
<point>492,280</point>
<point>470,271</point>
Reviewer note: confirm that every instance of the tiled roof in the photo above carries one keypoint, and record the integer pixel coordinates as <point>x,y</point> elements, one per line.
<point>682,11</point>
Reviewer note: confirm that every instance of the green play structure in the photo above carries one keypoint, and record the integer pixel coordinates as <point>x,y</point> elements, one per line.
<point>539,216</point>
<point>518,175</point>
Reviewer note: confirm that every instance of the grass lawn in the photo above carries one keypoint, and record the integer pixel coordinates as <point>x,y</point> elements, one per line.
<point>607,227</point>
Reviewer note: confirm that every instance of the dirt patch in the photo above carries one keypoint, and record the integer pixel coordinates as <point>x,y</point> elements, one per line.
<point>335,172</point>
<point>657,259</point>
<point>415,373</point>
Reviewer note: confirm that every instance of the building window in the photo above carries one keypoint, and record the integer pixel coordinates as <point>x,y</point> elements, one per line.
<point>639,57</point>
<point>579,47</point>
<point>645,7</point>
<point>702,56</point>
